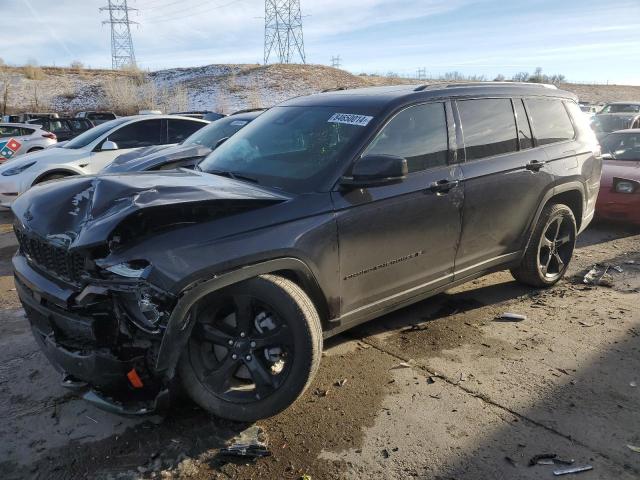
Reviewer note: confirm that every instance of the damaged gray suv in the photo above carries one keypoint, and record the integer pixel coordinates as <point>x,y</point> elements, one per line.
<point>323,213</point>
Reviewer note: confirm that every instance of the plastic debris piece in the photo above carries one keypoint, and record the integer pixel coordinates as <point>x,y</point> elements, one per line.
<point>246,450</point>
<point>595,276</point>
<point>617,268</point>
<point>566,471</point>
<point>543,456</point>
<point>633,384</point>
<point>511,317</point>
<point>633,448</point>
<point>401,365</point>
<point>341,383</point>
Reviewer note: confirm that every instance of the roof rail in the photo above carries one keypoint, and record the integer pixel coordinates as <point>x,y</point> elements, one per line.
<point>247,110</point>
<point>435,86</point>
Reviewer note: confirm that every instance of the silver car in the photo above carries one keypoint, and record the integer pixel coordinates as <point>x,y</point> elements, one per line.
<point>19,138</point>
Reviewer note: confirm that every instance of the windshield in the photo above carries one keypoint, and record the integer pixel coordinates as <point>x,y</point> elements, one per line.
<point>90,135</point>
<point>210,135</point>
<point>622,146</point>
<point>291,148</point>
<point>621,108</point>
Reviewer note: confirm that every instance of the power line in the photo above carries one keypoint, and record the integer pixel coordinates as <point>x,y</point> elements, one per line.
<point>336,62</point>
<point>122,53</point>
<point>283,31</point>
<point>193,12</point>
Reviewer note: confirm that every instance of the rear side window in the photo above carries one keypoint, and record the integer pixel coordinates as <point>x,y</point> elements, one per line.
<point>26,131</point>
<point>551,122</point>
<point>140,134</point>
<point>524,129</point>
<point>180,130</point>
<point>418,134</point>
<point>488,126</point>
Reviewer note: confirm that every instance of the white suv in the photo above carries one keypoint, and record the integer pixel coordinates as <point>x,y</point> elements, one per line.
<point>89,152</point>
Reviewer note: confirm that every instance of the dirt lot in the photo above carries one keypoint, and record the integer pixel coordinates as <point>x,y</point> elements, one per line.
<point>440,390</point>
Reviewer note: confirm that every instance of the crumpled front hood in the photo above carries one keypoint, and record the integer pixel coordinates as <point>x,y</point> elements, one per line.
<point>82,211</point>
<point>152,157</point>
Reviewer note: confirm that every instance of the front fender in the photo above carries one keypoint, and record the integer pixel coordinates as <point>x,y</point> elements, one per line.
<point>181,323</point>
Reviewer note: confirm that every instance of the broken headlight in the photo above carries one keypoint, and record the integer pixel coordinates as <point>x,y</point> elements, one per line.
<point>133,269</point>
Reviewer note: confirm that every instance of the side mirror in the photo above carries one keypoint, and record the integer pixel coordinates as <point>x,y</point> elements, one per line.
<point>108,145</point>
<point>376,170</point>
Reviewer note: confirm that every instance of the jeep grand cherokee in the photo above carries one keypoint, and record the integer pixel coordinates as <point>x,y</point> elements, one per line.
<point>325,212</point>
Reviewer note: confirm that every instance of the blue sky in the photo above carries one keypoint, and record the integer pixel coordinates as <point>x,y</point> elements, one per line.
<point>582,39</point>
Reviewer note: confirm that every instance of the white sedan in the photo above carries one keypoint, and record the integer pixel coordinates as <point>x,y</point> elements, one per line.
<point>89,152</point>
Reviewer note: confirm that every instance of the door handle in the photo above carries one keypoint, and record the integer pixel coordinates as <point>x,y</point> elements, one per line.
<point>534,165</point>
<point>443,186</point>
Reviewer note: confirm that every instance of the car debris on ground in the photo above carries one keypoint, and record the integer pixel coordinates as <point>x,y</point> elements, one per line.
<point>566,471</point>
<point>510,317</point>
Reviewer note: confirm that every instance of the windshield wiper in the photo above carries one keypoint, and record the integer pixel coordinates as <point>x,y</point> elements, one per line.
<point>233,175</point>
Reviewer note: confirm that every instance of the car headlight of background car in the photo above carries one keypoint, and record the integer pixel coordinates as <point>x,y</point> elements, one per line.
<point>621,185</point>
<point>16,170</point>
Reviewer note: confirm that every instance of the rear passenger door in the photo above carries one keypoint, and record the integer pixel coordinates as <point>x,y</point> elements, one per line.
<point>402,237</point>
<point>505,178</point>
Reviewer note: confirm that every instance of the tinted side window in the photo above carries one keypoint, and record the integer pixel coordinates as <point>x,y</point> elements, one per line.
<point>9,132</point>
<point>418,134</point>
<point>488,126</point>
<point>179,130</point>
<point>140,134</point>
<point>524,129</point>
<point>26,131</point>
<point>550,120</point>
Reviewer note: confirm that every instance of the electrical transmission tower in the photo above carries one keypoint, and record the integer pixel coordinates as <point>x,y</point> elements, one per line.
<point>336,62</point>
<point>122,53</point>
<point>283,31</point>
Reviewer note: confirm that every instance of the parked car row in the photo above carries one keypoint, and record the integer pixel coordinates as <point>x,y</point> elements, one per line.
<point>320,214</point>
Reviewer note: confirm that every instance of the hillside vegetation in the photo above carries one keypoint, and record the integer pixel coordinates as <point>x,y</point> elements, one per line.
<point>223,88</point>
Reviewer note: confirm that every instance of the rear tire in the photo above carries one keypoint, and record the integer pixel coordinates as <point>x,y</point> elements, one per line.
<point>550,249</point>
<point>254,350</point>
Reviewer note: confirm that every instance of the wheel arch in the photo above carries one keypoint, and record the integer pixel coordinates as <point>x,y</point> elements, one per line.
<point>46,173</point>
<point>180,323</point>
<point>571,194</point>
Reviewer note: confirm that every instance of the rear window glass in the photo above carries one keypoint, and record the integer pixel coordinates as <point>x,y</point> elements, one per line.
<point>551,122</point>
<point>488,126</point>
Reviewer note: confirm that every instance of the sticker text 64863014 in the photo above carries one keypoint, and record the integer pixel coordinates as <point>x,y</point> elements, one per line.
<point>350,119</point>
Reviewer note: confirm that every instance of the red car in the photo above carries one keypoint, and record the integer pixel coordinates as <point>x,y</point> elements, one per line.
<point>619,197</point>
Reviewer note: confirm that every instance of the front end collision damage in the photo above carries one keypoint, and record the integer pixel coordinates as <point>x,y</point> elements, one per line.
<point>111,323</point>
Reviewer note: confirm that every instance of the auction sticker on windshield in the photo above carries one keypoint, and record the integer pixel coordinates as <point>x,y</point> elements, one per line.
<point>350,119</point>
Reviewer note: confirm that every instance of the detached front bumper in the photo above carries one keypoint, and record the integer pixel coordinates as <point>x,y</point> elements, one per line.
<point>95,349</point>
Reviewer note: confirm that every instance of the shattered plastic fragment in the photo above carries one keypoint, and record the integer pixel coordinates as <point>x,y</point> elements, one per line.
<point>633,448</point>
<point>511,317</point>
<point>566,471</point>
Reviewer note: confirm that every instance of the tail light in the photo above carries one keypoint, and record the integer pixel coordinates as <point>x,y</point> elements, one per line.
<point>50,135</point>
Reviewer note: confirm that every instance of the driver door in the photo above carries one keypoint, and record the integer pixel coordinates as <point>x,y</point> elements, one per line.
<point>399,240</point>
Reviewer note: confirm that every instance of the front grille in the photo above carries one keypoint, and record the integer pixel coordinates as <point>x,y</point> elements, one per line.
<point>54,259</point>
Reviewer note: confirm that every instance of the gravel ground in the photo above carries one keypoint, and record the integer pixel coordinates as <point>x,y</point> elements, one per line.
<point>439,390</point>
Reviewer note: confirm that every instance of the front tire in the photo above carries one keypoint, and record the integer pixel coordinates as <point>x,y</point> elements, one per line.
<point>254,350</point>
<point>551,248</point>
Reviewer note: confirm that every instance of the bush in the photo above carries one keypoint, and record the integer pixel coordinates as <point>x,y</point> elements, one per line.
<point>77,65</point>
<point>33,72</point>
